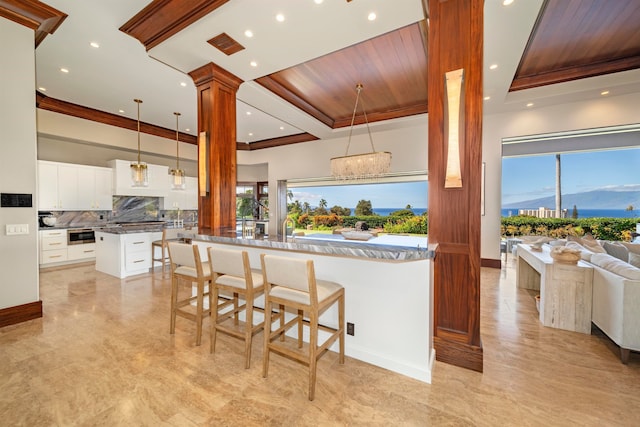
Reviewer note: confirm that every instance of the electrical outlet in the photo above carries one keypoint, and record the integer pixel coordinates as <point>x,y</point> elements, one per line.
<point>351,329</point>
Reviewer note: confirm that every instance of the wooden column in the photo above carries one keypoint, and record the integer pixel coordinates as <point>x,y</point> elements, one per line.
<point>217,119</point>
<point>456,43</point>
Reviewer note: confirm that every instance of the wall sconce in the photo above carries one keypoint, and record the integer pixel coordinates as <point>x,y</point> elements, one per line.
<point>203,164</point>
<point>454,133</point>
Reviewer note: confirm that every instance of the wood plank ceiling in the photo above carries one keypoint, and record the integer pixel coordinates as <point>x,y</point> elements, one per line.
<point>572,39</point>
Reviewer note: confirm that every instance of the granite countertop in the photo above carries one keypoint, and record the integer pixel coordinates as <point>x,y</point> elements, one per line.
<point>131,230</point>
<point>329,247</point>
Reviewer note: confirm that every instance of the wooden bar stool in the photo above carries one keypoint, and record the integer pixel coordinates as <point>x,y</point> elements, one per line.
<point>186,265</point>
<point>168,234</point>
<point>232,274</point>
<point>292,283</point>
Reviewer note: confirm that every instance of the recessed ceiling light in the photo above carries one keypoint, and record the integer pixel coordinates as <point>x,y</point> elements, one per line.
<point>530,104</point>
<point>372,16</point>
<point>187,130</point>
<point>248,33</point>
<point>183,84</point>
<point>604,92</point>
<point>507,2</point>
<point>280,17</point>
<point>486,98</point>
<point>250,133</point>
<point>282,127</point>
<point>253,63</point>
<point>120,111</point>
<point>318,1</point>
<point>64,70</point>
<point>44,89</point>
<point>94,44</point>
<point>493,66</point>
<point>248,113</point>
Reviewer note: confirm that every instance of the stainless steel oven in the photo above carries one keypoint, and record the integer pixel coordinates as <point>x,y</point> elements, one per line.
<point>79,236</point>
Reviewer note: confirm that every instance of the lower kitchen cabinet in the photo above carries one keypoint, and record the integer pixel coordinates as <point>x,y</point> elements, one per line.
<point>124,255</point>
<point>54,249</point>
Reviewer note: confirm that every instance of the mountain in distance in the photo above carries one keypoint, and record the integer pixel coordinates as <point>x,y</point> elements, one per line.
<point>598,199</point>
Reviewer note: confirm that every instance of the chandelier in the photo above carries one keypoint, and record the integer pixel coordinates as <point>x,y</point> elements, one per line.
<point>360,166</point>
<point>178,182</point>
<point>139,171</point>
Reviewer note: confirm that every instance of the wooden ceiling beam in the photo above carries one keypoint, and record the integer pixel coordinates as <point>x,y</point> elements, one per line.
<point>38,16</point>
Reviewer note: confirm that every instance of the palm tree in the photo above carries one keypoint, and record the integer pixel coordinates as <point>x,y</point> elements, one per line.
<point>558,189</point>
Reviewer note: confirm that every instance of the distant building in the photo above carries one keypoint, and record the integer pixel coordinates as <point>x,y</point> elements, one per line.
<point>543,212</point>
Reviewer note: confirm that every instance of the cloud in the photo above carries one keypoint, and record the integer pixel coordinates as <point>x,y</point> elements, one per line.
<point>624,187</point>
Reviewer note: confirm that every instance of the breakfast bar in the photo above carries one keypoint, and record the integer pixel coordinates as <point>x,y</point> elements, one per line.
<point>387,289</point>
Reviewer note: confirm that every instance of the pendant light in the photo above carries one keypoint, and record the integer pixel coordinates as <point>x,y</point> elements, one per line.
<point>360,166</point>
<point>139,171</point>
<point>178,182</point>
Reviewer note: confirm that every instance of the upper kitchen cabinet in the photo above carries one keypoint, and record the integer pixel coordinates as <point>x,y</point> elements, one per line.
<point>95,188</point>
<point>122,180</point>
<point>186,199</point>
<point>64,186</point>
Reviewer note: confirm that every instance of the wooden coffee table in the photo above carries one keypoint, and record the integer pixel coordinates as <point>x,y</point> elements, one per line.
<point>565,289</point>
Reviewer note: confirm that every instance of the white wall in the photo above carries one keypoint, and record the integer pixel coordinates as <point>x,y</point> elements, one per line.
<point>604,111</point>
<point>18,254</point>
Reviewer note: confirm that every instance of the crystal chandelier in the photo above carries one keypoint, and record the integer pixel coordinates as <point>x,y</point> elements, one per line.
<point>178,182</point>
<point>360,166</point>
<point>139,171</point>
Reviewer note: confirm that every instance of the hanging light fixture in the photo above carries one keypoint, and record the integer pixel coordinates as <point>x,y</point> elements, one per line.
<point>178,182</point>
<point>360,166</point>
<point>139,171</point>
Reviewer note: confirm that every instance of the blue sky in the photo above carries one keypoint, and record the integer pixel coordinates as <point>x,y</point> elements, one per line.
<point>532,177</point>
<point>396,195</point>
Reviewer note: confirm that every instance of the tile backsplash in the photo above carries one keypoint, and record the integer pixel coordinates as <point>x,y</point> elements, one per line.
<point>125,209</point>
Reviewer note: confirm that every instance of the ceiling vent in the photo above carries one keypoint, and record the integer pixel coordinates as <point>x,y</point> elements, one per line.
<point>225,44</point>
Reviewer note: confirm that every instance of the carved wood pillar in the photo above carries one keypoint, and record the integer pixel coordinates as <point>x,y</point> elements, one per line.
<point>217,89</point>
<point>456,42</point>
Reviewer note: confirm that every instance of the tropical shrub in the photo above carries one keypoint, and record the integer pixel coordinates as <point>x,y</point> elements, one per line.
<point>599,228</point>
<point>412,225</point>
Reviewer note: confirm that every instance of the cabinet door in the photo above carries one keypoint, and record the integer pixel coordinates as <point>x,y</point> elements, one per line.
<point>174,198</point>
<point>104,189</point>
<point>67,187</point>
<point>47,186</point>
<point>86,188</point>
<point>191,194</point>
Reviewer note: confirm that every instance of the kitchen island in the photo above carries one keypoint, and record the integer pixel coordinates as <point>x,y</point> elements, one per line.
<point>387,291</point>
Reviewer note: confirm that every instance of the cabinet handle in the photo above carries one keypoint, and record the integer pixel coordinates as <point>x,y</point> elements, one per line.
<point>137,261</point>
<point>55,256</point>
<point>55,234</point>
<point>88,252</point>
<point>138,243</point>
<point>54,244</point>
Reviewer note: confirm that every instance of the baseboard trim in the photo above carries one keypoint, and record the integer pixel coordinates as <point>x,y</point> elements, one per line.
<point>458,354</point>
<point>491,263</point>
<point>20,313</point>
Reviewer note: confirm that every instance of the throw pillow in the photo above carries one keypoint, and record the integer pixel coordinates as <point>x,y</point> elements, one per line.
<point>617,250</point>
<point>616,266</point>
<point>634,259</point>
<point>632,247</point>
<point>588,242</point>
<point>585,254</point>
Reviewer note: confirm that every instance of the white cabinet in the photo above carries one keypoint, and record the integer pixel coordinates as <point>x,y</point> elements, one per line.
<point>64,186</point>
<point>124,255</point>
<point>95,188</point>
<point>53,246</point>
<point>47,186</point>
<point>81,252</point>
<point>186,199</point>
<point>122,180</point>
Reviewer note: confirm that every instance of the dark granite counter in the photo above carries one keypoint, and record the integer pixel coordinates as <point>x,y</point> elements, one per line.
<point>328,247</point>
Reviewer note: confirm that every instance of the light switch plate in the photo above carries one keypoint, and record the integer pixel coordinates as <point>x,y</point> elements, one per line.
<point>15,229</point>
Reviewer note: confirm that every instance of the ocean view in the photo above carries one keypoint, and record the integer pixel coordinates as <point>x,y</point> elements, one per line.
<point>387,211</point>
<point>590,213</point>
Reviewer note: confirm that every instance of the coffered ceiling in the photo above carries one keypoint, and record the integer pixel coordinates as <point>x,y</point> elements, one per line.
<point>300,73</point>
